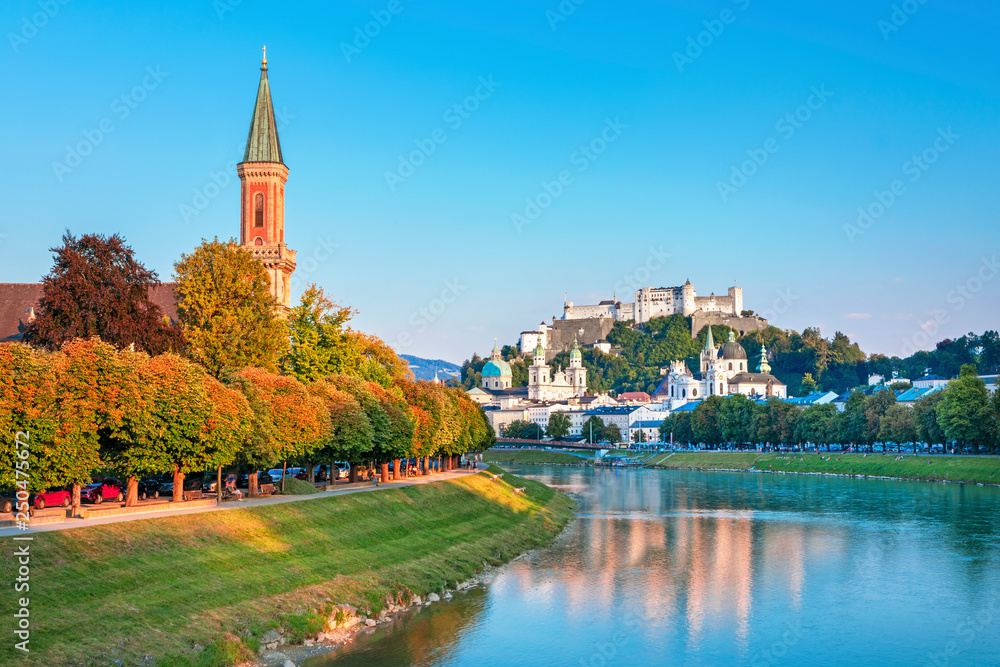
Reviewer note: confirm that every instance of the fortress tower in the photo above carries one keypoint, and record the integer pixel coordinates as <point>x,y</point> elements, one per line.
<point>262,196</point>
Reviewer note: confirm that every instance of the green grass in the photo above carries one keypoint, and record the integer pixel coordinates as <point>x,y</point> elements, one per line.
<point>529,456</point>
<point>951,468</point>
<point>182,588</point>
<point>296,487</point>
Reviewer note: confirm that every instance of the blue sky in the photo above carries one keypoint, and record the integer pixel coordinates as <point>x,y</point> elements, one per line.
<point>433,259</point>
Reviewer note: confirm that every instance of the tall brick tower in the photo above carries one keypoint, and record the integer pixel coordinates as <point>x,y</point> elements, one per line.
<point>262,176</point>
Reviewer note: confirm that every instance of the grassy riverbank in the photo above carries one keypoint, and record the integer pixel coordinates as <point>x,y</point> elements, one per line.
<point>951,468</point>
<point>529,456</point>
<point>176,585</point>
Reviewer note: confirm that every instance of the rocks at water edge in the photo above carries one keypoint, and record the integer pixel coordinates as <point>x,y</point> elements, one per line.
<point>433,597</point>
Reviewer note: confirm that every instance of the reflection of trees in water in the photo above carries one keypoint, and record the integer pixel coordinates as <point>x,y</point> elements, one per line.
<point>425,637</point>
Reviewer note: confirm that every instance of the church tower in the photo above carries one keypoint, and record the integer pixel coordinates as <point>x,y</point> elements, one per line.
<point>262,196</point>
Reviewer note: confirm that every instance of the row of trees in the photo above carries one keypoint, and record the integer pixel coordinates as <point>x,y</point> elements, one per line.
<point>89,406</point>
<point>594,429</point>
<point>108,382</point>
<point>962,414</point>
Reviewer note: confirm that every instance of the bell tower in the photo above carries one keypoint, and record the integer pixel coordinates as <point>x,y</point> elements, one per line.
<point>262,196</point>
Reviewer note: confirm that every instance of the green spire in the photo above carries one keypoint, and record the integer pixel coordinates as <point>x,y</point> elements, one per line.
<point>732,336</point>
<point>262,141</point>
<point>709,341</point>
<point>763,366</point>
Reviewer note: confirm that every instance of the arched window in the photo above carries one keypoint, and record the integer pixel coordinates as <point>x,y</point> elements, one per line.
<point>694,392</point>
<point>258,209</point>
<point>683,393</point>
<point>672,392</point>
<point>741,365</point>
<point>730,365</point>
<point>720,389</point>
<point>258,241</point>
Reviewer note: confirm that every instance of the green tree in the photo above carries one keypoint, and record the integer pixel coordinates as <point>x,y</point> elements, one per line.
<point>523,430</point>
<point>876,406</point>
<point>925,418</point>
<point>558,425</point>
<point>897,425</point>
<point>852,421</point>
<point>706,422</point>
<point>97,288</point>
<point>321,344</point>
<point>809,385</point>
<point>965,413</point>
<point>776,422</point>
<point>736,415</point>
<point>226,309</point>
<point>818,424</point>
<point>593,429</point>
<point>611,433</point>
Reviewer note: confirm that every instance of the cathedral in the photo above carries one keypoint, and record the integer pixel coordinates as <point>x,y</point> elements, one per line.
<point>544,385</point>
<point>725,371</point>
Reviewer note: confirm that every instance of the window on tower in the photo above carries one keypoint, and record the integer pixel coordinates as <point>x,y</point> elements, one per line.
<point>258,210</point>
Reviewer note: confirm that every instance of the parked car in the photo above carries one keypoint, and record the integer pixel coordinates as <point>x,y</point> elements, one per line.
<point>263,477</point>
<point>149,488</point>
<point>107,488</point>
<point>212,479</point>
<point>55,497</point>
<point>192,482</point>
<point>343,470</point>
<point>7,500</point>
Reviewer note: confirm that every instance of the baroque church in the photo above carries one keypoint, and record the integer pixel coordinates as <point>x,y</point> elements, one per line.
<point>262,174</point>
<point>725,370</point>
<point>544,384</point>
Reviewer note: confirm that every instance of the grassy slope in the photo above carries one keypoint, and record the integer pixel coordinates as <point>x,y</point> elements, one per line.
<point>952,468</point>
<point>529,456</point>
<point>162,585</point>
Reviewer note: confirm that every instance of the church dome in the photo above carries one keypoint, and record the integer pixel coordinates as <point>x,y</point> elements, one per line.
<point>732,349</point>
<point>575,352</point>
<point>496,368</point>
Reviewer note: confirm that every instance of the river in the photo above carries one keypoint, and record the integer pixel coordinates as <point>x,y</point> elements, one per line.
<point>689,568</point>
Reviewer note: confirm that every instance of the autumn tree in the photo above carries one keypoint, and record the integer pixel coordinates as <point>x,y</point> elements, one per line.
<point>97,288</point>
<point>296,424</point>
<point>226,309</point>
<point>350,434</point>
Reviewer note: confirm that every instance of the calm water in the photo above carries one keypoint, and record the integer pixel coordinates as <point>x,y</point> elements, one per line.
<point>676,568</point>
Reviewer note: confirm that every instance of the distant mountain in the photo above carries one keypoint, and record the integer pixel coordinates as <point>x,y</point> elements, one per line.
<point>424,368</point>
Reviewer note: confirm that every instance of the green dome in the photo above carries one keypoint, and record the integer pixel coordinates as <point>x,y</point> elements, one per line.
<point>575,352</point>
<point>539,350</point>
<point>496,368</point>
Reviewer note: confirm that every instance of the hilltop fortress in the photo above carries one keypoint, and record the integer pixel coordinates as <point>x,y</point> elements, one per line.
<point>589,325</point>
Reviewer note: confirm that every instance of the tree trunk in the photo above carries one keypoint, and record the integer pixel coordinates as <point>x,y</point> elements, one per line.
<point>76,499</point>
<point>333,473</point>
<point>252,484</point>
<point>310,473</point>
<point>385,473</point>
<point>427,465</point>
<point>353,474</point>
<point>439,463</point>
<point>284,474</point>
<point>178,496</point>
<point>131,492</point>
<point>218,485</point>
<point>395,469</point>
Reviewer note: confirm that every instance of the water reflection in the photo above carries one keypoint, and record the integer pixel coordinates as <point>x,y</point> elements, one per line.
<point>715,568</point>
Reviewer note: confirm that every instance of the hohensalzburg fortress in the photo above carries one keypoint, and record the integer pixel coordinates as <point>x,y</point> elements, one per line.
<point>653,302</point>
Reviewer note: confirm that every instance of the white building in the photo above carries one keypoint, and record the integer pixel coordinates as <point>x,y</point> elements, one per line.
<point>546,385</point>
<point>724,371</point>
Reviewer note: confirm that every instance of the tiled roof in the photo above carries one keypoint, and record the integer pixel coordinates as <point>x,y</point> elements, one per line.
<point>18,299</point>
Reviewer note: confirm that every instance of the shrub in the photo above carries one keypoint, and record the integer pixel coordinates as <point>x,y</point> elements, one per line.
<point>296,487</point>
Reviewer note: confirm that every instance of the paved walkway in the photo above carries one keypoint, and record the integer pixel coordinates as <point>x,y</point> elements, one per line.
<point>229,505</point>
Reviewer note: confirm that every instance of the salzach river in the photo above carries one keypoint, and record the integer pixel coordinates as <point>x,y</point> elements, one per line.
<point>678,568</point>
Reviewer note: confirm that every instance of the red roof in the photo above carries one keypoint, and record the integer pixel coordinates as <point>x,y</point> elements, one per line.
<point>634,396</point>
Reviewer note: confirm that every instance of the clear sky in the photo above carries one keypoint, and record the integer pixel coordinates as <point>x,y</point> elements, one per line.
<point>669,99</point>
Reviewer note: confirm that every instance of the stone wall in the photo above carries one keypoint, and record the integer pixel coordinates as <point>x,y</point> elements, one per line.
<point>586,332</point>
<point>741,324</point>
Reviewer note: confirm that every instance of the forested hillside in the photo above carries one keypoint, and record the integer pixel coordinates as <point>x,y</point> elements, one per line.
<point>804,361</point>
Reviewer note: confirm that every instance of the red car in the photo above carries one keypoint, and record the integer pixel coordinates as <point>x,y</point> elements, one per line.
<point>51,498</point>
<point>107,489</point>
